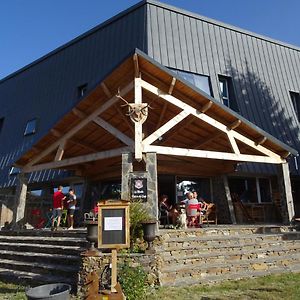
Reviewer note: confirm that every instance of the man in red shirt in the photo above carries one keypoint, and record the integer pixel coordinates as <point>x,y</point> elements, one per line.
<point>58,198</point>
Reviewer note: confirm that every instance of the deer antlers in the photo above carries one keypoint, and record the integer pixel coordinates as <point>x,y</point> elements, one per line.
<point>137,112</point>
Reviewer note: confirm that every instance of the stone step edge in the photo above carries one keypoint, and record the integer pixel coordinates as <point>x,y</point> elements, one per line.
<point>222,237</point>
<point>18,245</point>
<point>163,248</point>
<point>4,273</point>
<point>36,254</point>
<point>231,263</point>
<point>228,276</point>
<point>207,254</point>
<point>44,266</point>
<point>43,238</point>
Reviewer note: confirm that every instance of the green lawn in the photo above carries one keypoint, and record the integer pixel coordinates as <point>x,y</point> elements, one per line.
<point>10,291</point>
<point>286,286</point>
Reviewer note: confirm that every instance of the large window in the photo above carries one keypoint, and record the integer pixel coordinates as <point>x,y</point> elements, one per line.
<point>201,82</point>
<point>251,190</point>
<point>187,184</point>
<point>30,127</point>
<point>295,97</point>
<point>227,94</point>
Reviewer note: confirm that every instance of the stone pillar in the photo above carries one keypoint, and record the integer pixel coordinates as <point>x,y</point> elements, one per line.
<point>223,201</point>
<point>151,168</point>
<point>20,198</point>
<point>127,169</point>
<point>229,200</point>
<point>285,188</point>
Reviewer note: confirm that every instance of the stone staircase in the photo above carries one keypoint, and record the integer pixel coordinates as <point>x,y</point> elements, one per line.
<point>34,257</point>
<point>214,254</point>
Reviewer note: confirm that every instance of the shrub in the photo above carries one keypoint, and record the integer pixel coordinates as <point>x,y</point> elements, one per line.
<point>138,213</point>
<point>132,280</point>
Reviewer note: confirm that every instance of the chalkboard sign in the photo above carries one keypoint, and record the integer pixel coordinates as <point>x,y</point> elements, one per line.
<point>113,224</point>
<point>139,188</point>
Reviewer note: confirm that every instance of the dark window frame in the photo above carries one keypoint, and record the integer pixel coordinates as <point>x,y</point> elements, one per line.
<point>230,98</point>
<point>182,73</point>
<point>1,124</point>
<point>14,171</point>
<point>28,130</point>
<point>82,89</point>
<point>295,98</point>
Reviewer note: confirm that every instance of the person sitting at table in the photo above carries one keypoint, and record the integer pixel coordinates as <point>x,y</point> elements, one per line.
<point>203,205</point>
<point>166,210</point>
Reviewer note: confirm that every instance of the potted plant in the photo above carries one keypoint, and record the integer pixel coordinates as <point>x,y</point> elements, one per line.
<point>140,224</point>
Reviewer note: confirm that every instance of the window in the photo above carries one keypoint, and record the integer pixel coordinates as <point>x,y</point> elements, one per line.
<point>82,90</point>
<point>201,82</point>
<point>227,92</point>
<point>251,190</point>
<point>188,184</point>
<point>224,92</point>
<point>14,171</point>
<point>295,97</point>
<point>1,123</point>
<point>30,127</point>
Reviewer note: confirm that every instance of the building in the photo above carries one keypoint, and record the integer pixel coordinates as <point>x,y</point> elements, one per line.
<point>248,83</point>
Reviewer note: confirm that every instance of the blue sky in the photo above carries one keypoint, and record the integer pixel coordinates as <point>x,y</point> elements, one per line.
<point>30,29</point>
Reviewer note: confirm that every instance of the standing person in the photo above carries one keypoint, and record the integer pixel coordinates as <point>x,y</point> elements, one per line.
<point>71,208</point>
<point>58,199</point>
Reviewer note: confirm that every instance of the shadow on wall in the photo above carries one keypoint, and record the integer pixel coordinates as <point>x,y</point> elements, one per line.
<point>257,103</point>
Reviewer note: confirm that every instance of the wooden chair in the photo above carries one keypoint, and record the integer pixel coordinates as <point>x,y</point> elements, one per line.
<point>210,216</point>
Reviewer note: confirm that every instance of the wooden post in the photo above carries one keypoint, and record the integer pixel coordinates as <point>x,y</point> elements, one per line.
<point>113,270</point>
<point>20,199</point>
<point>287,203</point>
<point>138,127</point>
<point>127,169</point>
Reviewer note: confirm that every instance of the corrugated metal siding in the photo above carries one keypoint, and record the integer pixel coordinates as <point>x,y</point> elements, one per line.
<point>48,89</point>
<point>263,72</point>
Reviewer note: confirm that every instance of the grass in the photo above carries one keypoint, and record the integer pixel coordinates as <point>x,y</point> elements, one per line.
<point>9,291</point>
<point>273,287</point>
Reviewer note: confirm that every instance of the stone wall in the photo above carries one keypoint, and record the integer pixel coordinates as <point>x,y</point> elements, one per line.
<point>89,263</point>
<point>220,199</point>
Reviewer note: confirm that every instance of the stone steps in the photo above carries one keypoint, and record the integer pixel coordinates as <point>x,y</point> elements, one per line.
<point>35,257</point>
<point>42,248</point>
<point>34,279</point>
<point>39,267</point>
<point>39,257</point>
<point>210,247</point>
<point>207,272</point>
<point>44,240</point>
<point>240,253</point>
<point>214,255</point>
<point>211,278</point>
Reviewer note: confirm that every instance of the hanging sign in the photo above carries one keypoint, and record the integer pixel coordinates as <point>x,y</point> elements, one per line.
<point>139,188</point>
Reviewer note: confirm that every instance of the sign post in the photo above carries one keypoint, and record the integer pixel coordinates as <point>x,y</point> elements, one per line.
<point>113,231</point>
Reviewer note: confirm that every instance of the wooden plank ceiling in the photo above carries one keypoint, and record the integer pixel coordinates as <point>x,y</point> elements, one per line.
<point>85,138</point>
